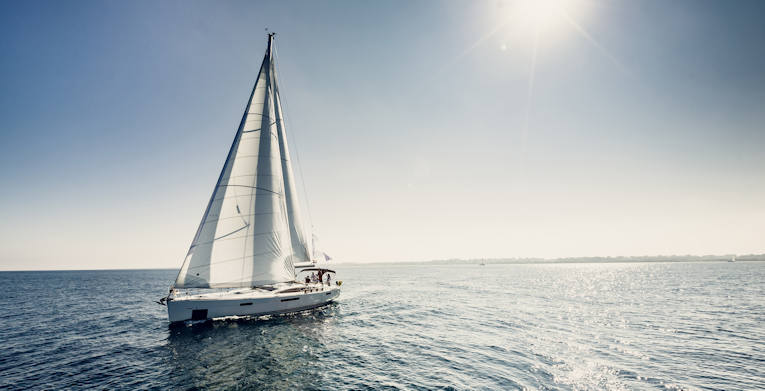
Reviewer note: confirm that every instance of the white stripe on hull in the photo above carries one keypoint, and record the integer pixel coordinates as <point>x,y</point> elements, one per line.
<point>216,305</point>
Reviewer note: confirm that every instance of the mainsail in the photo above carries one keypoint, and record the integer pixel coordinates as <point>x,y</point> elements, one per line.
<point>251,232</point>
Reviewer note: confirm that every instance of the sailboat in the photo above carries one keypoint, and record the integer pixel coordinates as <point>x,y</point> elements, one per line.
<point>242,261</point>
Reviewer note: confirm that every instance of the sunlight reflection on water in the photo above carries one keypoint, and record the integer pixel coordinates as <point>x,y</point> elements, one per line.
<point>559,326</point>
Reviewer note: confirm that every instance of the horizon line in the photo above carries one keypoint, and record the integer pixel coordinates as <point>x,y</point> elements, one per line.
<point>513,260</point>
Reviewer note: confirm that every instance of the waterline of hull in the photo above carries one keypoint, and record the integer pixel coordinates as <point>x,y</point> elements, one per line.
<point>248,303</point>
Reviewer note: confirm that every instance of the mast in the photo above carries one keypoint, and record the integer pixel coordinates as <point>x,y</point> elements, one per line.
<point>244,238</point>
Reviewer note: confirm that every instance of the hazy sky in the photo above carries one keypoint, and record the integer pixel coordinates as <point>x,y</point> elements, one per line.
<point>425,130</point>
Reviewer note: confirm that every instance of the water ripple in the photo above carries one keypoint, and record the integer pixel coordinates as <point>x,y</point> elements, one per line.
<point>416,327</point>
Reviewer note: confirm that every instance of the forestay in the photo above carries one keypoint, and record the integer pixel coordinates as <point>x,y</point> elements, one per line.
<point>251,232</point>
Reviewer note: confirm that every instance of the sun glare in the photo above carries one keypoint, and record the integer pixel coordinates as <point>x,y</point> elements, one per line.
<point>542,17</point>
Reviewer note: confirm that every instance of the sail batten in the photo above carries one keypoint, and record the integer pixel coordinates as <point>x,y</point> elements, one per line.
<point>247,234</point>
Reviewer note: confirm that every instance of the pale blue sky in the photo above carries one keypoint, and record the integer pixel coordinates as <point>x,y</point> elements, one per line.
<point>416,127</point>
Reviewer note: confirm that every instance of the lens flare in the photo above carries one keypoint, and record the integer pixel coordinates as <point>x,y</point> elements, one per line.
<point>542,17</point>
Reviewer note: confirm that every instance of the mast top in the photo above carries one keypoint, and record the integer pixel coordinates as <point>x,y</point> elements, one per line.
<point>270,41</point>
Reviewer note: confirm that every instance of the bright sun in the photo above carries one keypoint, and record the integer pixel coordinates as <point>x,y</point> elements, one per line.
<point>542,16</point>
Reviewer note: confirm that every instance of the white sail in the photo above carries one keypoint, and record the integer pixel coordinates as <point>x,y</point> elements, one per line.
<point>244,238</point>
<point>301,248</point>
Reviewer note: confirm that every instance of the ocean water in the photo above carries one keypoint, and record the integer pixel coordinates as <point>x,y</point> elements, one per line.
<point>632,326</point>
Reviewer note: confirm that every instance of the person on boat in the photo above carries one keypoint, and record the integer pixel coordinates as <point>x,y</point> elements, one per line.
<point>321,276</point>
<point>307,279</point>
<point>313,277</point>
<point>329,276</point>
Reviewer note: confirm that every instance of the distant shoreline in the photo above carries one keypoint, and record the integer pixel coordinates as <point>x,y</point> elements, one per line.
<point>621,259</point>
<point>492,261</point>
<point>540,261</point>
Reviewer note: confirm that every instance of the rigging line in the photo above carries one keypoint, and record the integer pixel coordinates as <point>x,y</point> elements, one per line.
<point>238,210</point>
<point>260,114</point>
<point>252,187</point>
<point>297,150</point>
<point>242,258</point>
<point>238,216</point>
<point>236,202</point>
<point>247,175</point>
<point>248,236</point>
<point>218,218</point>
<point>239,213</point>
<point>231,233</point>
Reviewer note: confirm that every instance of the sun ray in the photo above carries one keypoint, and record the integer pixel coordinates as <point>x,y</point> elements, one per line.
<point>584,33</point>
<point>467,51</point>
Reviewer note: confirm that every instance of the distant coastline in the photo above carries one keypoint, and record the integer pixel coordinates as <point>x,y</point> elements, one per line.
<point>617,259</point>
<point>622,259</point>
<point>488,261</point>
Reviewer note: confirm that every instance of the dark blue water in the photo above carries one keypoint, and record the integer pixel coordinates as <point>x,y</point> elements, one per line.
<point>649,326</point>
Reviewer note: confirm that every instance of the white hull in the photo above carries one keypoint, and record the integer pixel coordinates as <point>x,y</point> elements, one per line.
<point>250,302</point>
